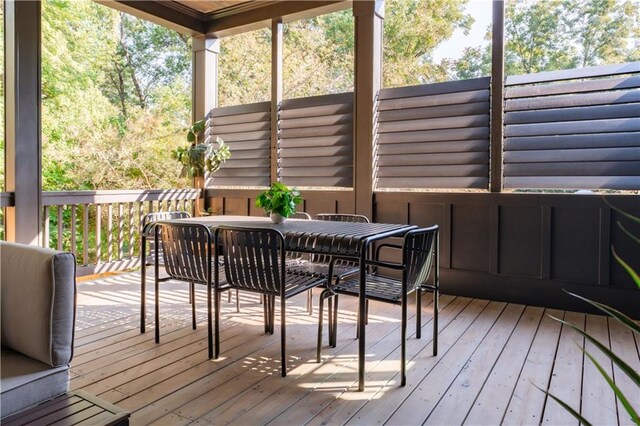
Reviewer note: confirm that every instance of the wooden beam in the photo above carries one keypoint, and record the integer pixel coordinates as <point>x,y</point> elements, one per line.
<point>224,24</point>
<point>169,14</point>
<point>276,91</point>
<point>206,49</point>
<point>497,97</point>
<point>23,149</point>
<point>369,17</point>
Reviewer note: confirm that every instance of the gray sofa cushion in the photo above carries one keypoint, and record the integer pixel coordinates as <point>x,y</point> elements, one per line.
<point>26,382</point>
<point>38,302</point>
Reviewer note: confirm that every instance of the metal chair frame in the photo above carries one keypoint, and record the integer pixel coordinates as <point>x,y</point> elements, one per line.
<point>148,222</point>
<point>420,252</point>
<point>255,261</point>
<point>318,265</point>
<point>188,253</point>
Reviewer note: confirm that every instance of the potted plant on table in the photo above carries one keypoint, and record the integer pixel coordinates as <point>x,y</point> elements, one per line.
<point>196,158</point>
<point>280,201</point>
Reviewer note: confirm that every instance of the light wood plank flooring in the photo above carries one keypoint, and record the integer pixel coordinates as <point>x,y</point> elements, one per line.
<point>490,357</point>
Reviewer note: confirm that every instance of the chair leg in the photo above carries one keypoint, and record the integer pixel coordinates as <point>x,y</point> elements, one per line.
<point>217,323</point>
<point>435,322</point>
<point>334,323</point>
<point>157,313</point>
<point>366,312</point>
<point>143,285</point>
<point>192,298</point>
<point>237,301</point>
<point>330,317</point>
<point>403,346</point>
<point>267,316</point>
<point>418,313</point>
<point>273,315</point>
<point>320,315</point>
<point>310,301</point>
<point>283,335</point>
<point>229,297</point>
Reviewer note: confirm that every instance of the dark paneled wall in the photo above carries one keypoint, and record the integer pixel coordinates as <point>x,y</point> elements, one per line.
<point>526,248</point>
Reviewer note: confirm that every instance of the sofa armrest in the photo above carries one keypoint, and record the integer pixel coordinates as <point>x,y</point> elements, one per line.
<point>38,302</point>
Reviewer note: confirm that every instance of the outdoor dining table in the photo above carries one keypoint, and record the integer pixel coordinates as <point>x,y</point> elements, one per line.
<point>341,239</point>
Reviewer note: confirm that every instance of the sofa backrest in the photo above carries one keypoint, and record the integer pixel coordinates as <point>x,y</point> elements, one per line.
<point>38,302</point>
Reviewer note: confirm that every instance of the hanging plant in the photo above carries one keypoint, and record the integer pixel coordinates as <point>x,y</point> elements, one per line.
<point>197,158</point>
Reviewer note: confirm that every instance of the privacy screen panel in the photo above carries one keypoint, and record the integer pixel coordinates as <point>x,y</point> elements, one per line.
<point>573,129</point>
<point>434,136</point>
<point>315,145</point>
<point>247,131</point>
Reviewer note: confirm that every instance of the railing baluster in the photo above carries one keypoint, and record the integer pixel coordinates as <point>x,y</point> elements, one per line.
<point>150,204</point>
<point>109,232</point>
<point>85,234</point>
<point>141,218</point>
<point>73,229</point>
<point>60,227</point>
<point>130,210</point>
<point>98,233</point>
<point>120,231</point>
<point>45,231</point>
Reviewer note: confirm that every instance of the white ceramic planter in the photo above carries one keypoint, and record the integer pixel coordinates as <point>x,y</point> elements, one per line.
<point>278,218</point>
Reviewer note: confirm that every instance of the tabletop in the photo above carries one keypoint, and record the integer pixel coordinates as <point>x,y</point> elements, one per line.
<point>317,236</point>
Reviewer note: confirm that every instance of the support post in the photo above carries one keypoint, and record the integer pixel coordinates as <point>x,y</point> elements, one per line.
<point>497,96</point>
<point>276,91</point>
<point>206,49</point>
<point>369,17</point>
<point>23,148</point>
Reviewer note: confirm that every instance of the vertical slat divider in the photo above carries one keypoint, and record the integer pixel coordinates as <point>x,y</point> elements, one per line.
<point>74,249</point>
<point>120,231</point>
<point>140,220</point>
<point>98,233</point>
<point>85,234</point>
<point>45,234</point>
<point>131,242</point>
<point>109,232</point>
<point>60,226</point>
<point>150,204</point>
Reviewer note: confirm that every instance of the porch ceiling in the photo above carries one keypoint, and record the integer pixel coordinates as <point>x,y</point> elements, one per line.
<point>223,17</point>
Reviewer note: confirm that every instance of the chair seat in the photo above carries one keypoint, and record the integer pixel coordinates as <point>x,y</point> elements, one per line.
<point>384,289</point>
<point>296,283</point>
<point>321,270</point>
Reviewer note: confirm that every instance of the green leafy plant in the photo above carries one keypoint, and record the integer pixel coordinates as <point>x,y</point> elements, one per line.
<point>196,158</point>
<point>279,199</point>
<point>624,320</point>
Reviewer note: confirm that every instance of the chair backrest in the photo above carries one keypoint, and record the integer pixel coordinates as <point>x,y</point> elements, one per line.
<point>254,258</point>
<point>337,217</point>
<point>301,215</point>
<point>342,217</point>
<point>186,250</point>
<point>151,218</point>
<point>419,250</point>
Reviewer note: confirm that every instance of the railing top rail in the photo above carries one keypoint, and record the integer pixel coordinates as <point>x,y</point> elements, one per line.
<point>6,199</point>
<point>587,72</point>
<point>55,198</point>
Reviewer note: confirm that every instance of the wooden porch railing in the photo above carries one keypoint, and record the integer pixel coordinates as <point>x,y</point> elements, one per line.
<point>102,227</point>
<point>6,200</point>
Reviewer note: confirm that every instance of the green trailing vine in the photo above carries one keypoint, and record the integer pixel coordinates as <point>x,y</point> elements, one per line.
<point>197,158</point>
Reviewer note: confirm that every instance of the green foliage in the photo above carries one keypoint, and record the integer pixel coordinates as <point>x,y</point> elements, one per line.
<point>279,199</point>
<point>196,158</point>
<point>547,35</point>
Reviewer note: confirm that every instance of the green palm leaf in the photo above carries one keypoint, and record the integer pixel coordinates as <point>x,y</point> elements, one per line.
<point>611,312</point>
<point>566,406</point>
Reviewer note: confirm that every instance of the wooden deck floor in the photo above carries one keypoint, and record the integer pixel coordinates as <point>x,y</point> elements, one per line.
<point>491,355</point>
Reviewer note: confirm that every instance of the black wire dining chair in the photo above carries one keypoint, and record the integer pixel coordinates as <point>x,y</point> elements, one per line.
<point>318,266</point>
<point>255,261</point>
<point>148,254</point>
<point>188,251</point>
<point>419,256</point>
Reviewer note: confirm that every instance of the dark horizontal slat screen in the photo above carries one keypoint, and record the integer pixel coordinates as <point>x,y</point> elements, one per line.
<point>315,145</point>
<point>434,136</point>
<point>247,131</point>
<point>574,129</point>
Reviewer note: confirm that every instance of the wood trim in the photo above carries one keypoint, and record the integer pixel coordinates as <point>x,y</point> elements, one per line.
<point>55,198</point>
<point>497,97</point>
<point>571,74</point>
<point>165,13</point>
<point>23,146</point>
<point>291,10</point>
<point>276,91</point>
